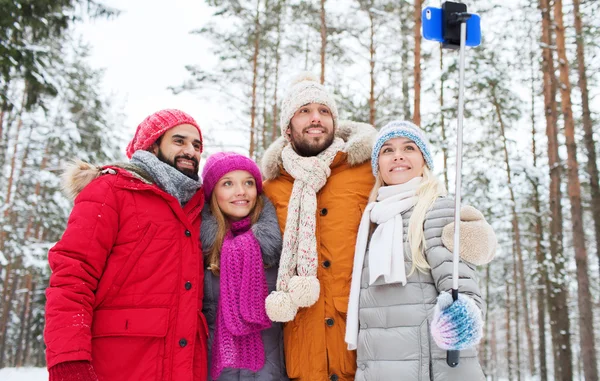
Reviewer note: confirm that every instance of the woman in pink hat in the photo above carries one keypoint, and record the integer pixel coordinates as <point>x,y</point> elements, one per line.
<point>241,242</point>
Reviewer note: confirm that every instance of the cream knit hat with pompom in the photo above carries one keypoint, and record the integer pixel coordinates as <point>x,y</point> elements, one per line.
<point>305,89</point>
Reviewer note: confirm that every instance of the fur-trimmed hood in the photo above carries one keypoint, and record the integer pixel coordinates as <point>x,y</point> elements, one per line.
<point>266,231</point>
<point>78,174</point>
<point>358,137</point>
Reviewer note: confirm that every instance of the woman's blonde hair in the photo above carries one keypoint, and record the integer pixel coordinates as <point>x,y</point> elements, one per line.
<point>429,190</point>
<point>223,226</point>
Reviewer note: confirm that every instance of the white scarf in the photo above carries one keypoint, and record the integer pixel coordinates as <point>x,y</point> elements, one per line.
<point>386,248</point>
<point>299,258</point>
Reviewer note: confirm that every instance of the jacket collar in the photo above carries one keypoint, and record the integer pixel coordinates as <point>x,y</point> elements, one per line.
<point>79,174</point>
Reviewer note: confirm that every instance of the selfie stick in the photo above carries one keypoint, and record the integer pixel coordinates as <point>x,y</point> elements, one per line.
<point>452,357</point>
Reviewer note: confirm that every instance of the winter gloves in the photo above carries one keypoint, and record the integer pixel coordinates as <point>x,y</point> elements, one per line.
<point>456,325</point>
<point>477,239</point>
<point>72,371</point>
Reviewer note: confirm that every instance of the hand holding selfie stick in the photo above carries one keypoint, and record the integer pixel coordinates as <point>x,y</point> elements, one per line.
<point>449,26</point>
<point>452,357</point>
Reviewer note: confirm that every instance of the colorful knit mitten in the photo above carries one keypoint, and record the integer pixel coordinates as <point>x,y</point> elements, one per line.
<point>456,325</point>
<point>72,371</point>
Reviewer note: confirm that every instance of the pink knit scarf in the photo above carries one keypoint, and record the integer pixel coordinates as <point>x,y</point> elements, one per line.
<point>241,312</point>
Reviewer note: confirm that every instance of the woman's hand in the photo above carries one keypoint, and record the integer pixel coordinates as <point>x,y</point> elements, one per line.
<point>456,325</point>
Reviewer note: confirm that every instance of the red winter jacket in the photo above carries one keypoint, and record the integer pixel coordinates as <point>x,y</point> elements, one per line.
<point>127,282</point>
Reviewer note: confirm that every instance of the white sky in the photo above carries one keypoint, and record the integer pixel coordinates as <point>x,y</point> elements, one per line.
<point>144,50</point>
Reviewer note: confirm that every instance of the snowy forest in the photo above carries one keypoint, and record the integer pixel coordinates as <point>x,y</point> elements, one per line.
<point>532,135</point>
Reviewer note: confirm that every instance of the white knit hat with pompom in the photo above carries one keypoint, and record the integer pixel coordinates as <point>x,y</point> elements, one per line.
<point>305,89</point>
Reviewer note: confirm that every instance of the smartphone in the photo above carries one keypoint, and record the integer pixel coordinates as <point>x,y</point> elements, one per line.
<point>433,27</point>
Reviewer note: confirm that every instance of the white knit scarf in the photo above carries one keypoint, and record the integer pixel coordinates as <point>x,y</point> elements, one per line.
<point>297,283</point>
<point>386,248</point>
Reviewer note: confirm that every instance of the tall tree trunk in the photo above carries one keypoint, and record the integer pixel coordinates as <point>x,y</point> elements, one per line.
<point>274,132</point>
<point>539,237</point>
<point>588,137</point>
<point>37,192</point>
<point>3,113</point>
<point>254,79</point>
<point>494,355</point>
<point>5,289</point>
<point>485,343</point>
<point>19,358</point>
<point>323,40</point>
<point>265,80</point>
<point>517,314</point>
<point>417,67</point>
<point>442,119</point>
<point>516,231</point>
<point>6,315</point>
<point>586,316</point>
<point>372,111</point>
<point>509,361</point>
<point>539,249</point>
<point>11,176</point>
<point>405,47</point>
<point>557,290</point>
<point>28,338</point>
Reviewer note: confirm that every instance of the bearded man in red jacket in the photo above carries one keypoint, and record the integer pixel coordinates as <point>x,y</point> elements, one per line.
<point>125,294</point>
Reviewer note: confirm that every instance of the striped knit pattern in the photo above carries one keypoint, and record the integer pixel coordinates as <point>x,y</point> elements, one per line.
<point>241,312</point>
<point>297,285</point>
<point>401,129</point>
<point>456,325</point>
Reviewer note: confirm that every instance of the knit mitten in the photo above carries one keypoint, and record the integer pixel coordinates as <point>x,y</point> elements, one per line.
<point>72,371</point>
<point>477,238</point>
<point>456,325</point>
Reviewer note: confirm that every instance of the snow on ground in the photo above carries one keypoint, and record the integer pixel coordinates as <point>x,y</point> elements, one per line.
<point>23,374</point>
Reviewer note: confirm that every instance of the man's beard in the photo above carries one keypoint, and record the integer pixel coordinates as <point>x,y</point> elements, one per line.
<point>191,173</point>
<point>305,149</point>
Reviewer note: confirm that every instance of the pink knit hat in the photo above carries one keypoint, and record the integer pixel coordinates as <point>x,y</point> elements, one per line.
<point>157,124</point>
<point>221,163</point>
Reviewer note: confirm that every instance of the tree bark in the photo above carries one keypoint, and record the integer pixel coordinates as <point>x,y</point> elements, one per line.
<point>509,361</point>
<point>485,343</point>
<point>28,338</point>
<point>252,148</point>
<point>323,40</point>
<point>586,316</point>
<point>539,249</point>
<point>494,355</point>
<point>265,80</point>
<point>274,132</point>
<point>6,315</point>
<point>24,319</point>
<point>405,47</point>
<point>372,111</point>
<point>516,231</point>
<point>588,136</point>
<point>417,67</point>
<point>517,315</point>
<point>557,290</point>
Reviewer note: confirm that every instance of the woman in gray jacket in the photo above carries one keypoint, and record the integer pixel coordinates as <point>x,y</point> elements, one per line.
<point>241,242</point>
<point>401,318</point>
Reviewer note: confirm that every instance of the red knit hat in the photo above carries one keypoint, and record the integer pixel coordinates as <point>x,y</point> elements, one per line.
<point>154,126</point>
<point>221,163</point>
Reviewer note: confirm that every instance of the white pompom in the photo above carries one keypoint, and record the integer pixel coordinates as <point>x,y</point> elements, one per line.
<point>279,307</point>
<point>304,76</point>
<point>304,290</point>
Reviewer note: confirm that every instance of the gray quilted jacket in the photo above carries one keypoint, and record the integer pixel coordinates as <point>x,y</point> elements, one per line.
<point>394,341</point>
<point>267,232</point>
